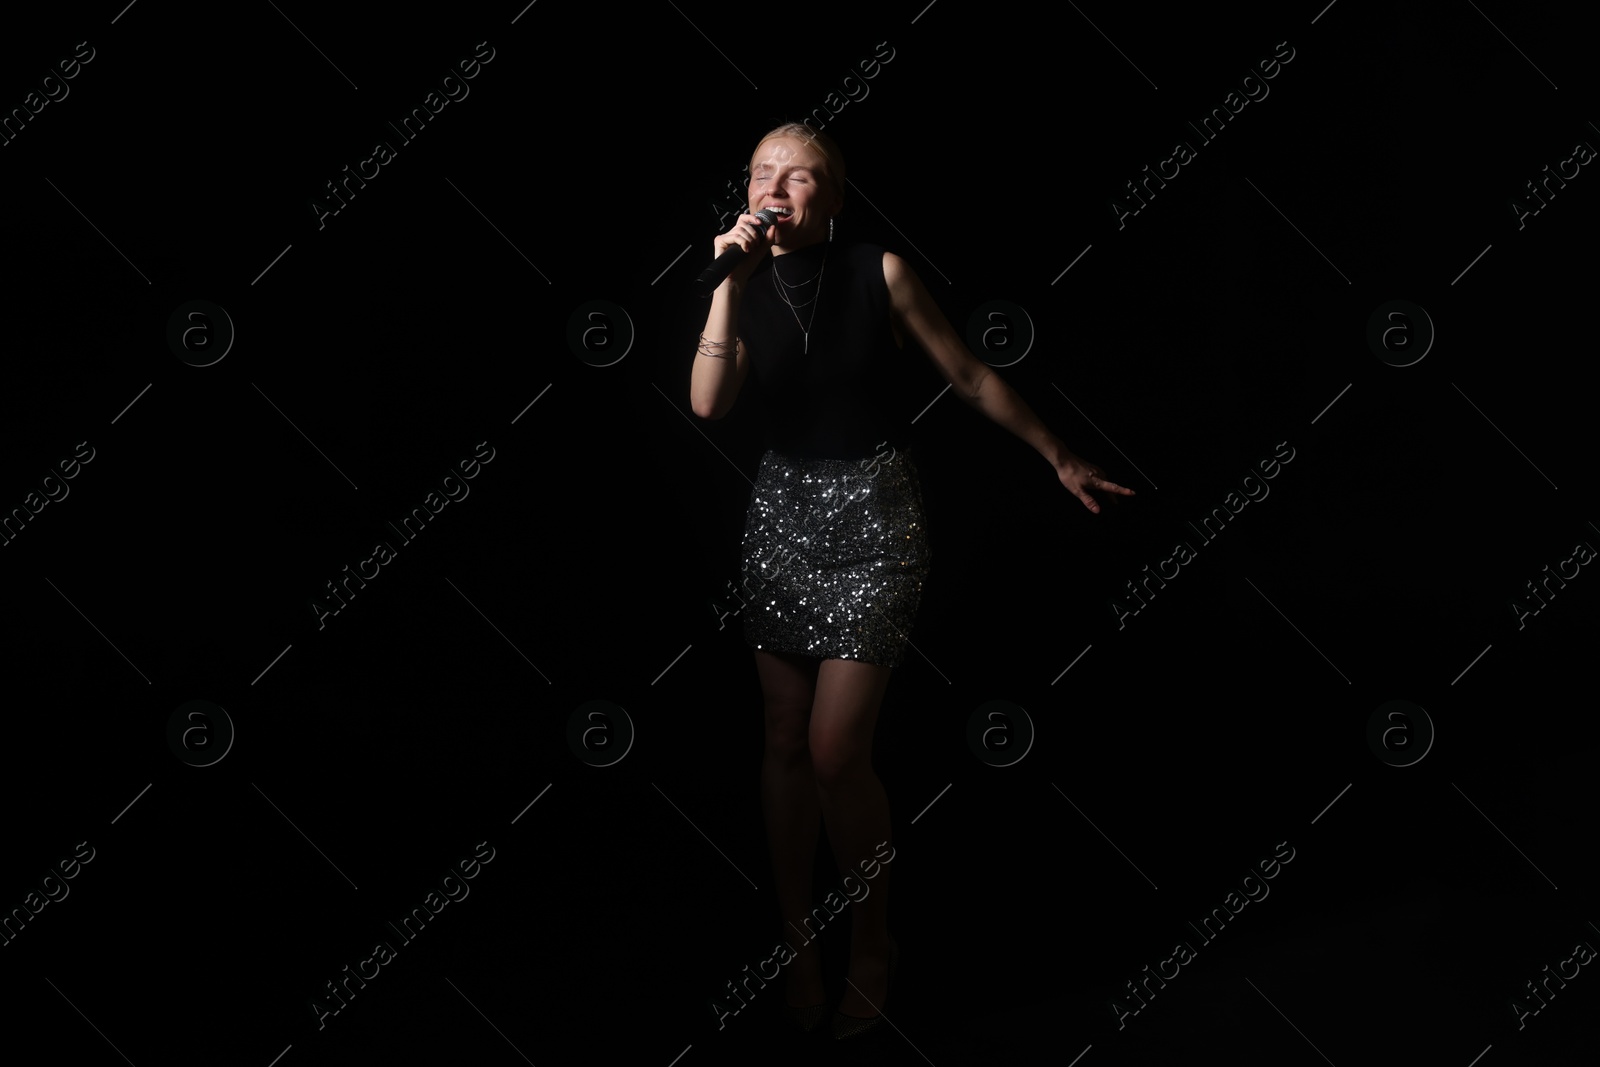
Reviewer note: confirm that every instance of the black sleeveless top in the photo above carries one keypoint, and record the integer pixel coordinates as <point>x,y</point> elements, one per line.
<point>837,400</point>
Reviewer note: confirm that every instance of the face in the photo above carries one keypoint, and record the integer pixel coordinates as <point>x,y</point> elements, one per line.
<point>786,172</point>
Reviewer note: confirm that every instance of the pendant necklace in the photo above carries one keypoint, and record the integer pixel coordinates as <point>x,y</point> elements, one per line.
<point>805,331</point>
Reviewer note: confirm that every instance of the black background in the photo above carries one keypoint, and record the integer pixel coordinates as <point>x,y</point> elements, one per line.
<point>1181,347</point>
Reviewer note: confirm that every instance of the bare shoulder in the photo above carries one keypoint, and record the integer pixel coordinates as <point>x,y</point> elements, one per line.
<point>902,281</point>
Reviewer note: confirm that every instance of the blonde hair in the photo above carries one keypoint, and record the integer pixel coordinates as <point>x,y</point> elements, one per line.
<point>818,140</point>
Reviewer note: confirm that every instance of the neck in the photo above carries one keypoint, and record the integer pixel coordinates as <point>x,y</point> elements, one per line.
<point>779,250</point>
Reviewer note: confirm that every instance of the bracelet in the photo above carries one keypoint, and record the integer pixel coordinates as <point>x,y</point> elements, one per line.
<point>708,348</point>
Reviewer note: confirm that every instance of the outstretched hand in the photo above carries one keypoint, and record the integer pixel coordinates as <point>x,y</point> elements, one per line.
<point>1080,476</point>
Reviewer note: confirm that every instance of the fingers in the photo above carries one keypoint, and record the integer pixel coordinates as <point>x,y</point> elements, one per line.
<point>1095,480</point>
<point>747,234</point>
<point>1100,481</point>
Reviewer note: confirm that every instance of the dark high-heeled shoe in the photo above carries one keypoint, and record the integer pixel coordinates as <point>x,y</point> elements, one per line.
<point>849,1027</point>
<point>805,1019</point>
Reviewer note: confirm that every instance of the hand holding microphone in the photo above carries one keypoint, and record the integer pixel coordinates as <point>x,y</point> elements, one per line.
<point>750,234</point>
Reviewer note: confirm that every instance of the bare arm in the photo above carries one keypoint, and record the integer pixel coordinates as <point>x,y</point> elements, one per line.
<point>976,383</point>
<point>715,381</point>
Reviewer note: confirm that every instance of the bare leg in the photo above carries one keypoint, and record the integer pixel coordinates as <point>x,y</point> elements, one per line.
<point>793,814</point>
<point>856,810</point>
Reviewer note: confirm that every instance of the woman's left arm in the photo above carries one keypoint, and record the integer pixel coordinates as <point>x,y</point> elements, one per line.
<point>979,386</point>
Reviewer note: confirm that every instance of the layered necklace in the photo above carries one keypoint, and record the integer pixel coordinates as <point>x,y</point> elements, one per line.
<point>782,287</point>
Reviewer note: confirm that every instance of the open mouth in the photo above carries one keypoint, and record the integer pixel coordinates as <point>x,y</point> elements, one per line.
<point>784,213</point>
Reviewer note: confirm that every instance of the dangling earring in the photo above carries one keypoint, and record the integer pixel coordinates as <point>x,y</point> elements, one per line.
<point>830,228</point>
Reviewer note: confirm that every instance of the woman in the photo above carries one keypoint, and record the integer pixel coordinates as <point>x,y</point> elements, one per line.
<point>835,548</point>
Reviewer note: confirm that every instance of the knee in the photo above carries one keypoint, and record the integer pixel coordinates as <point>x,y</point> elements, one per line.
<point>837,763</point>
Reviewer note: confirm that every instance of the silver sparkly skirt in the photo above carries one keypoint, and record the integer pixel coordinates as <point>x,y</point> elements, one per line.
<point>835,554</point>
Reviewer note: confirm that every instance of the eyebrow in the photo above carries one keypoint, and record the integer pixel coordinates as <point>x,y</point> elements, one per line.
<point>768,166</point>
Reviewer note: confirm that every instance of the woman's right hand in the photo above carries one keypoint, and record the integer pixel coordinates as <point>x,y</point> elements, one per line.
<point>746,233</point>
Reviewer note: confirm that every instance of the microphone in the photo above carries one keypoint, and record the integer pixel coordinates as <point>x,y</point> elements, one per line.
<point>715,274</point>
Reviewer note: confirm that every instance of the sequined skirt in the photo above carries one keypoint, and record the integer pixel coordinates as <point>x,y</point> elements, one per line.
<point>835,555</point>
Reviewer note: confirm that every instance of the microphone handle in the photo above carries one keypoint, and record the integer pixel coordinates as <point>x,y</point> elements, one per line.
<point>719,270</point>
